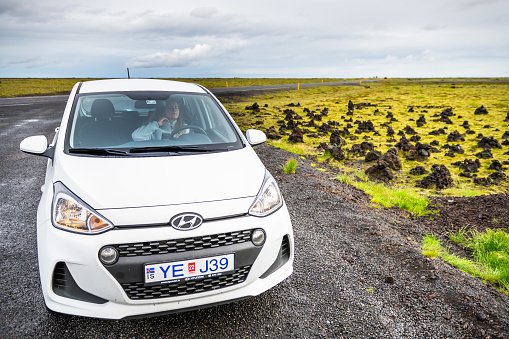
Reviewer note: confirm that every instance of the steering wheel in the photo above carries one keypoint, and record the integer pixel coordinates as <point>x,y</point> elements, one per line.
<point>194,127</point>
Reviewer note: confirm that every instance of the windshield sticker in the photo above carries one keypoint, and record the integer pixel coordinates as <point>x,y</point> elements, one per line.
<point>151,102</point>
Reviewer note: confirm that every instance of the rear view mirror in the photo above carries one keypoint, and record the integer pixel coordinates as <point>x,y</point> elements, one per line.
<point>255,137</point>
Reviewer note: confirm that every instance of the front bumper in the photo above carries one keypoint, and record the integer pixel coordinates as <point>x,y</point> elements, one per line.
<point>118,291</point>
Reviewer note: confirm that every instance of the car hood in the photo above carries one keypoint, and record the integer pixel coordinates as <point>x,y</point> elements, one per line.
<point>124,182</point>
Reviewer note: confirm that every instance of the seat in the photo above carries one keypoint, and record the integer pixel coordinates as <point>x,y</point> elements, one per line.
<point>102,131</point>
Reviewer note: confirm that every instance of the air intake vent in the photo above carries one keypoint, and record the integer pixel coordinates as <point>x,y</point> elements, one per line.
<point>285,248</point>
<point>183,245</point>
<point>59,277</point>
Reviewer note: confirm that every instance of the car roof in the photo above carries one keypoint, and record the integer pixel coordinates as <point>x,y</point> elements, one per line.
<point>123,85</point>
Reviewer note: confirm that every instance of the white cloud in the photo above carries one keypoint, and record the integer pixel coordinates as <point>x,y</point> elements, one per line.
<point>175,58</point>
<point>204,12</point>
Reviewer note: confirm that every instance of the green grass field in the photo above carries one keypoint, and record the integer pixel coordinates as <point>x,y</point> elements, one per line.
<point>14,87</point>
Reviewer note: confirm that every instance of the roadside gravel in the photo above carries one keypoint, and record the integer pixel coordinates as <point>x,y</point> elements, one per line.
<point>360,273</point>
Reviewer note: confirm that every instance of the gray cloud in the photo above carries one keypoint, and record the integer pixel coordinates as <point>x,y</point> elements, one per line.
<point>32,62</point>
<point>263,38</point>
<point>25,61</point>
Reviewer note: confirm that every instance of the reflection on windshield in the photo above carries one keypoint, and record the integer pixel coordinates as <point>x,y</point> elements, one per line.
<point>116,121</point>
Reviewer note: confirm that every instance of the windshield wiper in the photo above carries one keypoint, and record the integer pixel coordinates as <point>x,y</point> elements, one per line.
<point>98,151</point>
<point>175,149</point>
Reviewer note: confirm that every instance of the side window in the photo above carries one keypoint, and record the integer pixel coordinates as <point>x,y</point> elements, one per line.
<point>218,121</point>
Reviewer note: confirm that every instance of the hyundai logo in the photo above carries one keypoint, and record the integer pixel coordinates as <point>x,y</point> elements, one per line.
<point>186,221</point>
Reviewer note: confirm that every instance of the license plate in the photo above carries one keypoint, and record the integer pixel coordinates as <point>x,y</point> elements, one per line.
<point>167,273</point>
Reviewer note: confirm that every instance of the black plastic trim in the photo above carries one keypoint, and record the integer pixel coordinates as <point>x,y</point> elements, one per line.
<point>226,217</point>
<point>182,310</point>
<point>282,257</point>
<point>64,285</point>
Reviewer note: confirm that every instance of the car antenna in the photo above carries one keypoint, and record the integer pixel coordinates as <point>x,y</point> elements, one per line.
<point>128,77</point>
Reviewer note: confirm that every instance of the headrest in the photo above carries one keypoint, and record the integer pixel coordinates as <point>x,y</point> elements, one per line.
<point>102,109</point>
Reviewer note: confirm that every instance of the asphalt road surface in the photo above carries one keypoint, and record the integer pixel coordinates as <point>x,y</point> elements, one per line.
<point>358,272</point>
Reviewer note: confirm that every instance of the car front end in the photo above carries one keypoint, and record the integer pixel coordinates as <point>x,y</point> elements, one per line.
<point>77,280</point>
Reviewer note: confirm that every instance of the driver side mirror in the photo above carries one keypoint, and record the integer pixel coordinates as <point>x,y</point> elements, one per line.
<point>37,145</point>
<point>255,137</point>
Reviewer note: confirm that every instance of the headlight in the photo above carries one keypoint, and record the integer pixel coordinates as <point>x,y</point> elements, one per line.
<point>71,214</point>
<point>269,198</point>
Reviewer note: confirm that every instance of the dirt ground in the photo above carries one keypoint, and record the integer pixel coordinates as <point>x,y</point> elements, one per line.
<point>467,213</point>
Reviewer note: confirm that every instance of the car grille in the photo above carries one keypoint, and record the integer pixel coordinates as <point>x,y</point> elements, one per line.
<point>183,245</point>
<point>138,291</point>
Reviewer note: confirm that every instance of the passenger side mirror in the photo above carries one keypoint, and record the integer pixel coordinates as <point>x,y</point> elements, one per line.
<point>255,137</point>
<point>37,145</point>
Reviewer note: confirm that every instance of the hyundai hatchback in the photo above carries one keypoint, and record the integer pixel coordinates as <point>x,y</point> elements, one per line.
<point>155,202</point>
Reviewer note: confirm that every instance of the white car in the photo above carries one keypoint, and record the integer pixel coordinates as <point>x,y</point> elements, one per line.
<point>154,202</point>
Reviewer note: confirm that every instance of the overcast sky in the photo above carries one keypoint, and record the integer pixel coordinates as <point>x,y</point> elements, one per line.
<point>311,38</point>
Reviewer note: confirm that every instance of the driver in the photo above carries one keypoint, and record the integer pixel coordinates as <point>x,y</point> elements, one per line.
<point>156,125</point>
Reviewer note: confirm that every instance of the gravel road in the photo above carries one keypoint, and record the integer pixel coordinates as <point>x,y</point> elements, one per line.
<point>358,270</point>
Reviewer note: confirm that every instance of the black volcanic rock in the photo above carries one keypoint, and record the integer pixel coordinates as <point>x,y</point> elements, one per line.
<point>488,143</point>
<point>496,165</point>
<point>255,107</point>
<point>468,165</point>
<point>404,145</point>
<point>421,121</point>
<point>418,170</point>
<point>409,130</point>
<point>372,156</point>
<point>481,110</point>
<point>439,178</point>
<point>272,133</point>
<point>455,136</point>
<point>365,126</point>
<point>486,154</point>
<point>392,159</point>
<point>296,136</point>
<point>439,131</point>
<point>335,138</point>
<point>390,131</point>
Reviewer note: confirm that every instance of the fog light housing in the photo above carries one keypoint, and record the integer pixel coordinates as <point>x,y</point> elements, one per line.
<point>108,255</point>
<point>258,237</point>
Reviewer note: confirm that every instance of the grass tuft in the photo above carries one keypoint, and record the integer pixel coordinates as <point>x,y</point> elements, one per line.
<point>407,199</point>
<point>431,246</point>
<point>290,167</point>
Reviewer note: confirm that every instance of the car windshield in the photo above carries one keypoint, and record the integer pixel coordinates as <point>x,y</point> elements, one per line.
<point>137,123</point>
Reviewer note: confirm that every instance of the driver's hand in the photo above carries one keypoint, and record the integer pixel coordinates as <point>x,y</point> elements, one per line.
<point>163,121</point>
